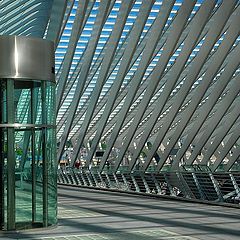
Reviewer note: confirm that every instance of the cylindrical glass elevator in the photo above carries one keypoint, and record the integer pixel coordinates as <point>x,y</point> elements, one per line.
<point>28,166</point>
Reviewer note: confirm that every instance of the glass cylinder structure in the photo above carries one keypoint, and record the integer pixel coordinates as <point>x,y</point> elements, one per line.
<point>28,164</point>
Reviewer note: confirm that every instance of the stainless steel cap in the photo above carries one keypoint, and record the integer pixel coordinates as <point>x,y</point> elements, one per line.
<point>26,58</point>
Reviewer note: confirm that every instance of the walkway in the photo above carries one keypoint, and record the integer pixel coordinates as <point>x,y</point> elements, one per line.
<point>98,215</point>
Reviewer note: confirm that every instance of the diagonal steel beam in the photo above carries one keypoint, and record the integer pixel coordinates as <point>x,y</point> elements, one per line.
<point>229,122</point>
<point>213,98</point>
<point>100,19</point>
<point>110,51</point>
<point>233,158</point>
<point>214,122</point>
<point>228,146</point>
<point>143,86</point>
<point>126,60</point>
<point>189,44</point>
<point>170,45</point>
<point>75,34</point>
<point>220,20</point>
<point>56,19</point>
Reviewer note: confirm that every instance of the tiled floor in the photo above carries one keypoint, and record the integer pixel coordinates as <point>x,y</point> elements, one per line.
<point>96,215</point>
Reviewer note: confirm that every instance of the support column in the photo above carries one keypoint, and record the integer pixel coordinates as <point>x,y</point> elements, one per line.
<point>45,158</point>
<point>33,117</point>
<point>10,158</point>
<point>1,161</point>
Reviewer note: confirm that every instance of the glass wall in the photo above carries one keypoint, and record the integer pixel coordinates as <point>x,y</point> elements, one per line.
<point>28,154</point>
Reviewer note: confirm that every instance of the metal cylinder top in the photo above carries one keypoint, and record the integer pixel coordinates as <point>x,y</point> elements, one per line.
<point>26,58</point>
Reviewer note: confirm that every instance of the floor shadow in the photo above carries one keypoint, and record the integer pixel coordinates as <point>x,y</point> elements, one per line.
<point>212,213</point>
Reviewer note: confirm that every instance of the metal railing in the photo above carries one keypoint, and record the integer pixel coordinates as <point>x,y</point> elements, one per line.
<point>200,185</point>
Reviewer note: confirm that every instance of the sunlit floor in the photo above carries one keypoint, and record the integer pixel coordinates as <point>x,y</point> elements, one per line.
<point>96,215</point>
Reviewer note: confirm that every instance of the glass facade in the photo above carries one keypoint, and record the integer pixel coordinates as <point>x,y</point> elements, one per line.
<point>28,154</point>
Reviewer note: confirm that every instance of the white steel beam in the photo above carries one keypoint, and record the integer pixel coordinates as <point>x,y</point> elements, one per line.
<point>220,20</point>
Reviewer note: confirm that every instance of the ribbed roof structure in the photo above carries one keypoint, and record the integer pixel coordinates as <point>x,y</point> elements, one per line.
<point>141,85</point>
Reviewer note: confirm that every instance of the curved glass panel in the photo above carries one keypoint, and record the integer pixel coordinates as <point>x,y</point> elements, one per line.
<point>28,154</point>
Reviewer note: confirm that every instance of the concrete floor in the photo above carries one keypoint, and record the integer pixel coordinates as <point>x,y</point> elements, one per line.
<point>88,214</point>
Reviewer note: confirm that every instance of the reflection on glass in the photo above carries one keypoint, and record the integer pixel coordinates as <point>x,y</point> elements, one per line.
<point>27,150</point>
